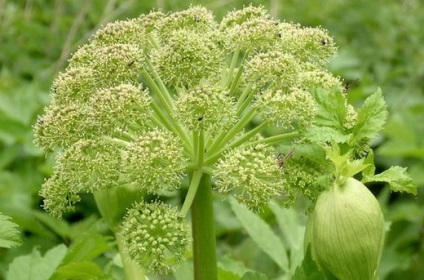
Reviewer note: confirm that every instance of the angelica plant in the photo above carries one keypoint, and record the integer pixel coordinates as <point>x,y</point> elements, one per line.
<point>242,107</point>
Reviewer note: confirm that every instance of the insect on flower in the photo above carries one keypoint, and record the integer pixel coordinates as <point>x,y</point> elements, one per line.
<point>281,159</point>
<point>349,84</point>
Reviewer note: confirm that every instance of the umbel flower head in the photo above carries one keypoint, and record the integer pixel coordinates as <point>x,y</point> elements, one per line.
<point>148,101</point>
<point>156,235</point>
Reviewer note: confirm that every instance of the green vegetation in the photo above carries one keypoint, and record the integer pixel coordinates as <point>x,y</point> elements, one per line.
<point>379,46</point>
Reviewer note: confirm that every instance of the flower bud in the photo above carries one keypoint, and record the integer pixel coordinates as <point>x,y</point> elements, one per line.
<point>346,231</point>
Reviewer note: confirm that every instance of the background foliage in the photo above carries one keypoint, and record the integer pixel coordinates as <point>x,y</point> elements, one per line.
<point>380,44</point>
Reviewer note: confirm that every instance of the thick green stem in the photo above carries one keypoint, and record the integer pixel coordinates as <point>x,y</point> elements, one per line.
<point>203,226</point>
<point>132,270</point>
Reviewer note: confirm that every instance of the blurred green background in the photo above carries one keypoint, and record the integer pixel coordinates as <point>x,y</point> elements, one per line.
<point>380,45</point>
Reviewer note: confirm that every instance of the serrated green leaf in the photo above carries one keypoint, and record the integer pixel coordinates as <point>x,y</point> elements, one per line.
<point>331,114</point>
<point>397,178</point>
<point>323,134</point>
<point>36,267</point>
<point>331,108</point>
<point>9,233</point>
<point>254,276</point>
<point>371,118</point>
<point>79,271</point>
<point>262,235</point>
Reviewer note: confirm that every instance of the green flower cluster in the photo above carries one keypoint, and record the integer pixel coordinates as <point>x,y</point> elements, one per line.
<point>156,236</point>
<point>148,101</point>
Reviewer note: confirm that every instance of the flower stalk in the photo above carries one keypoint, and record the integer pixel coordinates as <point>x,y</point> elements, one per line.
<point>203,229</point>
<point>132,270</point>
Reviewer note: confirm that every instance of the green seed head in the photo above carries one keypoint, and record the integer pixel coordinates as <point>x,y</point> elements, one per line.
<point>205,107</point>
<point>346,231</point>
<point>274,68</point>
<point>57,198</point>
<point>121,32</point>
<point>154,161</point>
<point>249,29</point>
<point>297,107</point>
<point>252,174</point>
<point>309,44</point>
<point>156,236</point>
<point>196,19</point>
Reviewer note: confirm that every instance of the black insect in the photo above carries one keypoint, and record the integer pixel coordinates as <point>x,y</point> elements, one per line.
<point>349,84</point>
<point>200,118</point>
<point>282,159</point>
<point>130,63</point>
<point>54,89</point>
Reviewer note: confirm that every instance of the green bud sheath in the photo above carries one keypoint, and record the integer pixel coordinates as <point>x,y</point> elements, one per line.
<point>113,203</point>
<point>346,231</point>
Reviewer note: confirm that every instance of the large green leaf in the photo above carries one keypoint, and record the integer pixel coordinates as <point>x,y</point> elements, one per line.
<point>88,247</point>
<point>331,115</point>
<point>60,227</point>
<point>79,271</point>
<point>262,234</point>
<point>292,228</point>
<point>371,118</point>
<point>396,177</point>
<point>35,267</point>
